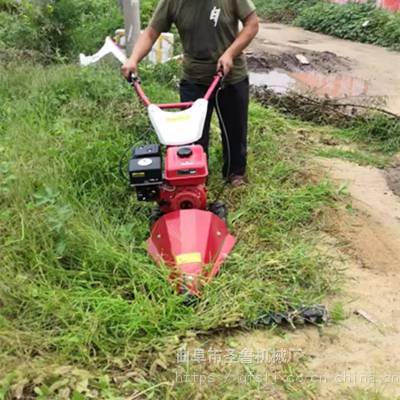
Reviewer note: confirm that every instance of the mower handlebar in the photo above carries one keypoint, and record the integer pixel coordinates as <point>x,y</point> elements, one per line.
<point>136,84</point>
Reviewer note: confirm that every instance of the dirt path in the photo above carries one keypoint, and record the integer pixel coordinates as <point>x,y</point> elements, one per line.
<point>365,346</point>
<point>361,351</point>
<point>336,67</point>
<point>377,240</point>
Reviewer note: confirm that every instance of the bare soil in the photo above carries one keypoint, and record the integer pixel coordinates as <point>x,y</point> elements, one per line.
<point>365,344</point>
<point>325,61</point>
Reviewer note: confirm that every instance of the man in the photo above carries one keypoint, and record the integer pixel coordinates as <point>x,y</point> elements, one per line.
<point>209,30</point>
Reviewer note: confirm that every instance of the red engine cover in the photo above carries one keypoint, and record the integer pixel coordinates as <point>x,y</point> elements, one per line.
<point>186,165</point>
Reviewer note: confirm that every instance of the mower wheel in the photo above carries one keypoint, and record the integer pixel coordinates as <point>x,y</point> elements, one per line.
<point>155,215</point>
<point>219,209</point>
<point>190,300</point>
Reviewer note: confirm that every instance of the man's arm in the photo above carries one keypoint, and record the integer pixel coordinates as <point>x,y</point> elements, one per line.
<point>142,47</point>
<point>248,33</point>
<point>160,22</point>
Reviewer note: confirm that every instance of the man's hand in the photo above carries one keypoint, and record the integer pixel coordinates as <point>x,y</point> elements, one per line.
<point>142,48</point>
<point>225,63</point>
<point>129,68</point>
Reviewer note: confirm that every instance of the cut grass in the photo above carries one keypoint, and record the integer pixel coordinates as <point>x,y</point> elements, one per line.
<point>377,130</point>
<point>76,284</point>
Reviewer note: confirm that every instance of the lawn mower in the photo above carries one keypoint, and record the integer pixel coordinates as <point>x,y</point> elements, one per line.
<point>188,235</point>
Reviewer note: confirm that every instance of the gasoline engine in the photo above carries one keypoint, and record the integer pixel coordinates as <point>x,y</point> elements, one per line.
<point>183,184</point>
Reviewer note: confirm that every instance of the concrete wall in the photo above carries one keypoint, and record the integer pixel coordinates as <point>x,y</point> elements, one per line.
<point>392,5</point>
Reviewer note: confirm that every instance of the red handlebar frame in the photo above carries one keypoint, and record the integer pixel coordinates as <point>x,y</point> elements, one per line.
<point>135,82</point>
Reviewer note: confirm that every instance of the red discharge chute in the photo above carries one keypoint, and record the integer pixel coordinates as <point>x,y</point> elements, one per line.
<point>194,243</point>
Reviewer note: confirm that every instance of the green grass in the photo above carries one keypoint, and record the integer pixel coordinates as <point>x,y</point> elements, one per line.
<point>337,312</point>
<point>356,156</point>
<point>76,284</point>
<point>374,130</point>
<point>84,312</point>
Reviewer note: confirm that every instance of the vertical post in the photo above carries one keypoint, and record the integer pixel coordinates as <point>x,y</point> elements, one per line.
<point>131,9</point>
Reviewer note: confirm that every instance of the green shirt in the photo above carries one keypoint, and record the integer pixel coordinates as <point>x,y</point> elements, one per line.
<point>207,28</point>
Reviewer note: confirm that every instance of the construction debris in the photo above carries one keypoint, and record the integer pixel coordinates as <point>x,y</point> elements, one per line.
<point>162,51</point>
<point>302,59</point>
<point>109,47</point>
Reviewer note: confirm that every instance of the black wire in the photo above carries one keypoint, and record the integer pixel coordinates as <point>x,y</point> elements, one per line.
<point>122,174</point>
<point>228,145</point>
<point>142,137</point>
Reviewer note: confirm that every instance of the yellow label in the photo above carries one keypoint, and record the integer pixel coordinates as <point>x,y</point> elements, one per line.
<point>188,258</point>
<point>178,118</point>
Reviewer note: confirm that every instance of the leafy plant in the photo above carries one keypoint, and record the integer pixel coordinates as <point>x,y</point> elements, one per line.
<point>60,29</point>
<point>282,10</point>
<point>360,22</point>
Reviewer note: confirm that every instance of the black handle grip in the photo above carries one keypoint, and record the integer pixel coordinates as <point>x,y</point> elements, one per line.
<point>133,78</point>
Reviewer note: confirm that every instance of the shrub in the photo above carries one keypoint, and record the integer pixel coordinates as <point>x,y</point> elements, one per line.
<point>360,22</point>
<point>8,5</point>
<point>282,10</point>
<point>146,9</point>
<point>63,27</point>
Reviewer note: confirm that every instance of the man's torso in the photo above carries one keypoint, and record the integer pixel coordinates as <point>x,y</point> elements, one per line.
<point>207,28</point>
